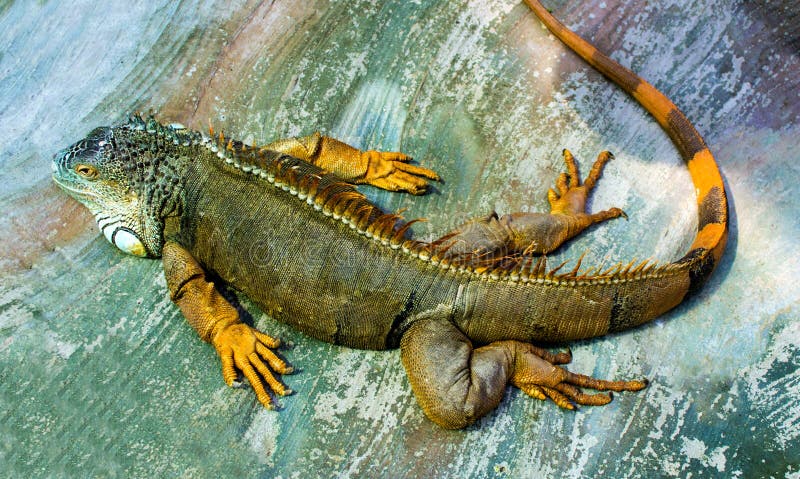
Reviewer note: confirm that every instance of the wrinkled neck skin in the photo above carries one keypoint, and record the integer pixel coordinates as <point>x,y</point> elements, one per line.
<point>155,163</point>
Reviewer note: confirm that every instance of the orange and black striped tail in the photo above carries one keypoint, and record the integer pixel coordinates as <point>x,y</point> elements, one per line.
<point>712,201</point>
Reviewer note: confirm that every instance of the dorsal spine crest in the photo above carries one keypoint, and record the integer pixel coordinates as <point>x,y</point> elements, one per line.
<point>343,202</point>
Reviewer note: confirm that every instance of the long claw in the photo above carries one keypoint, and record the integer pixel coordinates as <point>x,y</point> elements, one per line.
<point>228,370</point>
<point>255,382</point>
<point>597,169</point>
<point>268,340</point>
<point>537,373</point>
<point>558,398</point>
<point>246,349</point>
<point>391,171</point>
<point>274,361</point>
<point>276,386</point>
<point>395,156</point>
<point>561,184</point>
<point>564,357</point>
<point>572,169</point>
<point>582,398</point>
<point>534,391</point>
<point>602,385</point>
<point>417,170</point>
<point>406,179</point>
<point>552,196</point>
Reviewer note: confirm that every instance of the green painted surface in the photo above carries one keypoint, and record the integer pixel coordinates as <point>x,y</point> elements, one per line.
<point>100,376</point>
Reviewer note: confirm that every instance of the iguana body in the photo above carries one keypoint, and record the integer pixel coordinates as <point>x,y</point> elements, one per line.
<point>283,224</point>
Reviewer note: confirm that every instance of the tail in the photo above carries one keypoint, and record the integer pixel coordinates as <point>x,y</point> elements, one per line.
<point>712,201</point>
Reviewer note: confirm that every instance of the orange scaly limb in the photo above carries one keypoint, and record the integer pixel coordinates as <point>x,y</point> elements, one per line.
<point>456,383</point>
<point>384,169</point>
<point>495,237</point>
<point>540,376</point>
<point>570,199</point>
<point>217,322</point>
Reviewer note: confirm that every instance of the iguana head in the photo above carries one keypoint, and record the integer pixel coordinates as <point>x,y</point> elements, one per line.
<point>113,173</point>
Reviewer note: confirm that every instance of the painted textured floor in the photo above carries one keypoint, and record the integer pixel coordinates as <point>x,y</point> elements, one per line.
<point>100,376</point>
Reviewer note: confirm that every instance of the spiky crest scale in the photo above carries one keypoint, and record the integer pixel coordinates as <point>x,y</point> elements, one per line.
<point>335,198</point>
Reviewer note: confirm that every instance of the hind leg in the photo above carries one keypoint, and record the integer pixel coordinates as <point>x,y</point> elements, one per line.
<point>542,233</point>
<point>496,236</point>
<point>481,238</point>
<point>388,170</point>
<point>456,383</point>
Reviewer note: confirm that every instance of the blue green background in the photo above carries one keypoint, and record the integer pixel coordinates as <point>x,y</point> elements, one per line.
<point>101,377</point>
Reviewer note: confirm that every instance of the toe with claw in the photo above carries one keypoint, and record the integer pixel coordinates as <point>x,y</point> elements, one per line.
<point>392,171</point>
<point>538,374</point>
<point>248,350</point>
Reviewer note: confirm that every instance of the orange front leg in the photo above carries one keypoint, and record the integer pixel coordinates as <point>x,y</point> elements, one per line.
<point>217,322</point>
<point>388,170</point>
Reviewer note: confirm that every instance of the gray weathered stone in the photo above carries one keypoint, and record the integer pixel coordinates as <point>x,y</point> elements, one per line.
<point>100,375</point>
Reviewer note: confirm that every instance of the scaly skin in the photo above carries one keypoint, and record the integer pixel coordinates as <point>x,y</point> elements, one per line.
<point>284,224</point>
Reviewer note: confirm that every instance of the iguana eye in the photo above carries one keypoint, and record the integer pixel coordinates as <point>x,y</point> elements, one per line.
<point>87,171</point>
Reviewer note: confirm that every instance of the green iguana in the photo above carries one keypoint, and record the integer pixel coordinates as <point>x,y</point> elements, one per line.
<point>284,224</point>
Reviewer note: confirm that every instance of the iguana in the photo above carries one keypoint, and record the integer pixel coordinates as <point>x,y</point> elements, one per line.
<point>284,224</point>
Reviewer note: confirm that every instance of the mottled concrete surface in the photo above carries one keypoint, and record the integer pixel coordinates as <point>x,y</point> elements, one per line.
<point>102,377</point>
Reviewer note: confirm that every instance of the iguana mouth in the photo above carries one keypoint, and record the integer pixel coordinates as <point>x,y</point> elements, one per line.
<point>75,191</point>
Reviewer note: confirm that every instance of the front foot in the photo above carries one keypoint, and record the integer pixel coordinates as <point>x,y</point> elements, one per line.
<point>247,349</point>
<point>536,372</point>
<point>391,171</point>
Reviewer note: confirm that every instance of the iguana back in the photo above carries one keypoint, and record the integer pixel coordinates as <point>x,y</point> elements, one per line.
<point>300,265</point>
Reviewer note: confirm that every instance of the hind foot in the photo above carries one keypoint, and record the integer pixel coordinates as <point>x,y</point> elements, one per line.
<point>570,199</point>
<point>538,374</point>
